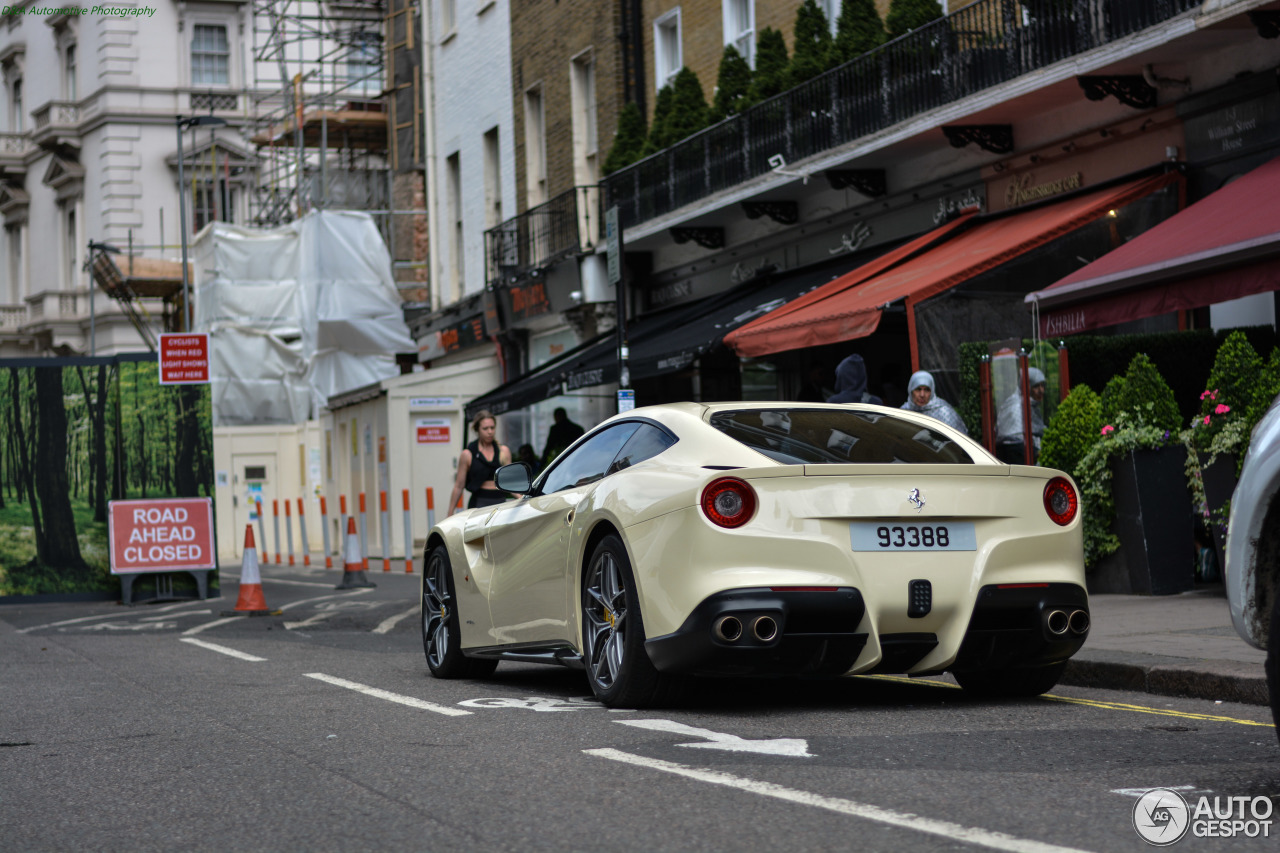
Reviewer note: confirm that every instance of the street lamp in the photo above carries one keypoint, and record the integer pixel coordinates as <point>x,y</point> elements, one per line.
<point>182,124</point>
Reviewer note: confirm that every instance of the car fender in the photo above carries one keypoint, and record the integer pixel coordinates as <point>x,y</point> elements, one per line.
<point>1253,542</point>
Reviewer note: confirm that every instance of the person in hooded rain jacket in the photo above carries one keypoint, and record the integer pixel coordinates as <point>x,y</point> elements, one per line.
<point>921,399</point>
<point>1009,439</point>
<point>851,383</point>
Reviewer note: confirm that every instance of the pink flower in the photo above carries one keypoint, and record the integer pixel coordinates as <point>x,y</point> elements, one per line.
<point>1204,394</point>
<point>1108,428</point>
<point>1214,395</point>
<point>1222,409</point>
<point>1206,420</point>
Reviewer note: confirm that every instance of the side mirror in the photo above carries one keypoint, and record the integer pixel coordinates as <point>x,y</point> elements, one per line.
<point>515,478</point>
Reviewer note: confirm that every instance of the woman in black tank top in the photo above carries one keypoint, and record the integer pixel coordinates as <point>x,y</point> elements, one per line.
<point>477,465</point>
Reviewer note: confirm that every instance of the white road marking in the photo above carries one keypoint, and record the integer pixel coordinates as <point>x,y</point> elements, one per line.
<point>215,623</point>
<point>128,626</point>
<point>1138,792</point>
<point>347,594</point>
<point>793,746</point>
<point>214,647</point>
<point>282,580</point>
<point>387,624</point>
<point>534,703</point>
<point>387,695</point>
<point>310,620</point>
<point>902,820</point>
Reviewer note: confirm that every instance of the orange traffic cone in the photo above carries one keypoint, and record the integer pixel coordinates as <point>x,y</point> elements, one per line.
<point>251,600</point>
<point>353,573</point>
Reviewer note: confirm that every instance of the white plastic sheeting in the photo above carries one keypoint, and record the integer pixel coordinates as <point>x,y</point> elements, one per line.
<point>295,314</point>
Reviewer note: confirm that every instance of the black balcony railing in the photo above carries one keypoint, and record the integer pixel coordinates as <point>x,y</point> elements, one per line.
<point>564,226</point>
<point>982,45</point>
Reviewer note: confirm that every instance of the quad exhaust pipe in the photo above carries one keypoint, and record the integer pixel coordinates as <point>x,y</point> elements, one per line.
<point>728,628</point>
<point>1079,622</point>
<point>764,628</point>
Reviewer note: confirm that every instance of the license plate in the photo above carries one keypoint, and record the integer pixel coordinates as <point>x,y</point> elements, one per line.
<point>897,536</point>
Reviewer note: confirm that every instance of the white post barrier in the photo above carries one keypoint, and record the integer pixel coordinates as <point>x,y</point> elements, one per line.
<point>408,535</point>
<point>384,525</point>
<point>431,509</point>
<point>342,524</point>
<point>324,532</point>
<point>364,537</point>
<point>302,531</point>
<point>288,528</point>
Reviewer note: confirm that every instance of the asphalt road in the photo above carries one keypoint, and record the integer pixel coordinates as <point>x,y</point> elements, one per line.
<point>169,727</point>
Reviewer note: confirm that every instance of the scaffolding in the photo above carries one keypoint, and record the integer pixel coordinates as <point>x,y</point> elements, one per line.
<point>320,121</point>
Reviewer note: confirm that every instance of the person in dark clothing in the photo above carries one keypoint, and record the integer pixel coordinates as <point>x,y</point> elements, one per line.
<point>528,456</point>
<point>851,383</point>
<point>563,433</point>
<point>477,465</point>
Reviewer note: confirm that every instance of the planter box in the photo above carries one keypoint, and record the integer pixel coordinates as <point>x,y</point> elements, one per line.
<point>1219,481</point>
<point>1154,524</point>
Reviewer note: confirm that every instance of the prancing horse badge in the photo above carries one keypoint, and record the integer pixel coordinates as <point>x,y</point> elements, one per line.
<point>914,497</point>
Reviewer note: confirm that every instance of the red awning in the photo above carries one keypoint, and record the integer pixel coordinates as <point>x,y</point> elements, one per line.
<point>839,311</point>
<point>1225,246</point>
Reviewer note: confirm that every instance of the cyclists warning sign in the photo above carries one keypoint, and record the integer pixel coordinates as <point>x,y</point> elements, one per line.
<point>163,535</point>
<point>184,358</point>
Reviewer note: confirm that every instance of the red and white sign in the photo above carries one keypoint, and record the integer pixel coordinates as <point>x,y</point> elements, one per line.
<point>162,535</point>
<point>184,358</point>
<point>433,430</point>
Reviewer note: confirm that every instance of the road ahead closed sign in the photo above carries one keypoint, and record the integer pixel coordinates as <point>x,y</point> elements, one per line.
<point>163,535</point>
<point>184,358</point>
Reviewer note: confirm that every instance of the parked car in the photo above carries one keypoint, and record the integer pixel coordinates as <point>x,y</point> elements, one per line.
<point>1253,549</point>
<point>764,539</point>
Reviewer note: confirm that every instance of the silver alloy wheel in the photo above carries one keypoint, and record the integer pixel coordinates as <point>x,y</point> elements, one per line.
<point>605,609</point>
<point>435,609</point>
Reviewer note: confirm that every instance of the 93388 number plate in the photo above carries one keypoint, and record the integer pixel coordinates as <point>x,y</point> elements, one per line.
<point>894,536</point>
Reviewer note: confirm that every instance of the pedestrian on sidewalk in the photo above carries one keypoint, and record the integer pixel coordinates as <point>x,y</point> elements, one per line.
<point>922,399</point>
<point>477,465</point>
<point>1010,445</point>
<point>563,433</point>
<point>851,383</point>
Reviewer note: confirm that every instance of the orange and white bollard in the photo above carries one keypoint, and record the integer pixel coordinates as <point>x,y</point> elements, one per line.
<point>324,532</point>
<point>262,522</point>
<point>364,534</point>
<point>408,535</point>
<point>384,525</point>
<point>342,522</point>
<point>302,531</point>
<point>275,521</point>
<point>431,508</point>
<point>288,529</point>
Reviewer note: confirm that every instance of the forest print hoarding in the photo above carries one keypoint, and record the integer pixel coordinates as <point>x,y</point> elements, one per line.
<point>76,433</point>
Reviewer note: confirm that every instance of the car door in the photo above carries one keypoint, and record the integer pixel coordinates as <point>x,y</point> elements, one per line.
<point>528,543</point>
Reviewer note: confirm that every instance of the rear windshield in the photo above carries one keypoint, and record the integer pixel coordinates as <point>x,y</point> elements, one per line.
<point>816,436</point>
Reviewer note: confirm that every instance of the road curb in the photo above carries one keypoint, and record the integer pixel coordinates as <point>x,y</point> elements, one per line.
<point>1225,681</point>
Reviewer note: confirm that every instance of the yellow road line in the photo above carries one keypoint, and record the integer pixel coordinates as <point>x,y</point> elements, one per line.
<point>1093,703</point>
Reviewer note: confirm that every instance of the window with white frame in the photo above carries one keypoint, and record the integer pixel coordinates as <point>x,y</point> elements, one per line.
<point>69,89</point>
<point>211,201</point>
<point>453,195</point>
<point>740,28</point>
<point>71,245</point>
<point>16,110</point>
<point>364,63</point>
<point>668,57</point>
<point>210,55</point>
<point>448,16</point>
<point>535,148</point>
<point>492,180</point>
<point>582,84</point>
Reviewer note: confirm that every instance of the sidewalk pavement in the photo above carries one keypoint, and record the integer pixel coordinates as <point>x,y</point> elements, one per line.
<point>1174,645</point>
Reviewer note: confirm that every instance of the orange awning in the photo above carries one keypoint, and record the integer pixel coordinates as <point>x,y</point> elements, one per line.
<point>852,310</point>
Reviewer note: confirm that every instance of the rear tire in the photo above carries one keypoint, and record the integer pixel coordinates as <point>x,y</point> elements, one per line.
<point>1014,682</point>
<point>1273,658</point>
<point>441,636</point>
<point>618,667</point>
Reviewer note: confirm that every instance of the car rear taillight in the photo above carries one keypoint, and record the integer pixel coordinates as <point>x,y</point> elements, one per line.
<point>729,502</point>
<point>1060,500</point>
